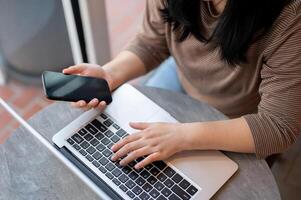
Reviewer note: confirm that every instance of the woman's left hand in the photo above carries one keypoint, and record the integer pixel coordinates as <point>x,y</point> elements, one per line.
<point>156,141</point>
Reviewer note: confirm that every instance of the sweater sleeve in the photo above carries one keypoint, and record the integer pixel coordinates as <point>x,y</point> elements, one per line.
<point>278,121</point>
<point>150,43</point>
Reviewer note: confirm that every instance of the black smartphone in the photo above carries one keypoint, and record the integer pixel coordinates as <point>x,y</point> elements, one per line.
<point>63,87</point>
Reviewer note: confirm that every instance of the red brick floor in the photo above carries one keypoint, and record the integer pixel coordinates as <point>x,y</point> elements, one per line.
<point>124,18</point>
<point>26,100</point>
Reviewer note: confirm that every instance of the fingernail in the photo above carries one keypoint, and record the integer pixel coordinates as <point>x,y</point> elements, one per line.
<point>81,103</point>
<point>113,158</point>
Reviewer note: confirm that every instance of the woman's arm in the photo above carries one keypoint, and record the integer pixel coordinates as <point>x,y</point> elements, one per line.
<point>123,68</point>
<point>161,140</point>
<point>229,135</point>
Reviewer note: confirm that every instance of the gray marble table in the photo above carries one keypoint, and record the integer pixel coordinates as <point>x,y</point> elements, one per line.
<point>29,171</point>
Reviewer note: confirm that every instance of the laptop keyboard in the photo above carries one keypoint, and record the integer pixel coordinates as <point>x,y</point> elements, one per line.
<point>155,181</point>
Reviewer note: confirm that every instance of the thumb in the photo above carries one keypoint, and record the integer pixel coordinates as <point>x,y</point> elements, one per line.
<point>76,69</point>
<point>139,125</point>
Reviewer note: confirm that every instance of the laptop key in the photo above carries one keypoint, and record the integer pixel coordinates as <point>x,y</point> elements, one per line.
<point>174,197</point>
<point>144,196</point>
<point>116,126</point>
<point>104,116</point>
<point>180,192</point>
<point>70,141</point>
<point>110,166</point>
<point>121,132</point>
<point>108,122</point>
<point>115,138</point>
<point>99,136</point>
<point>117,164</point>
<point>116,182</point>
<point>152,180</point>
<point>89,158</point>
<point>130,184</point>
<point>139,159</point>
<point>109,175</point>
<point>88,137</point>
<point>97,155</point>
<point>94,142</point>
<point>160,164</point>
<point>161,197</point>
<point>102,169</point>
<point>145,174</point>
<point>75,146</point>
<point>169,172</point>
<point>100,147</point>
<point>137,170</point>
<point>177,178</point>
<point>107,153</point>
<point>116,172</point>
<point>133,175</point>
<point>123,178</point>
<point>154,193</point>
<point>192,190</point>
<point>105,141</point>
<point>137,190</point>
<point>184,184</point>
<point>166,192</point>
<point>91,150</point>
<point>126,169</point>
<point>103,161</point>
<point>84,144</point>
<point>154,171</point>
<point>159,186</point>
<point>82,132</point>
<point>109,133</point>
<point>95,163</point>
<point>147,187</point>
<point>130,194</point>
<point>169,183</point>
<point>140,181</point>
<point>83,152</point>
<point>133,163</point>
<point>110,145</point>
<point>99,125</point>
<point>123,188</point>
<point>77,138</point>
<point>91,129</point>
<point>148,167</point>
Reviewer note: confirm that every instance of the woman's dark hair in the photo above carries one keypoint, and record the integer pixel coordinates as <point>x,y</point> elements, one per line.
<point>241,23</point>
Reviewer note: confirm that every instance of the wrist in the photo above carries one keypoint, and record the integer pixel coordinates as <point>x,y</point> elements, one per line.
<point>187,140</point>
<point>110,77</point>
<point>194,136</point>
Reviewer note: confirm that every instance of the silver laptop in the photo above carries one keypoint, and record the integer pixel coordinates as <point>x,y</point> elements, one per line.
<point>84,146</point>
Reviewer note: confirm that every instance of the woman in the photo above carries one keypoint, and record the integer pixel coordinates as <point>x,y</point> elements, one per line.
<point>242,57</point>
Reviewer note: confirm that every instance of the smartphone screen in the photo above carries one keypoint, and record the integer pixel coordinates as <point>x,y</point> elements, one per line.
<point>59,86</point>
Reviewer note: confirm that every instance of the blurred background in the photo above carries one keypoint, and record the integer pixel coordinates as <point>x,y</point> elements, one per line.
<point>52,34</point>
<point>34,37</point>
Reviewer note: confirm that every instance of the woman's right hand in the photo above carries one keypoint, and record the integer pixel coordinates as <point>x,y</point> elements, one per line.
<point>91,70</point>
